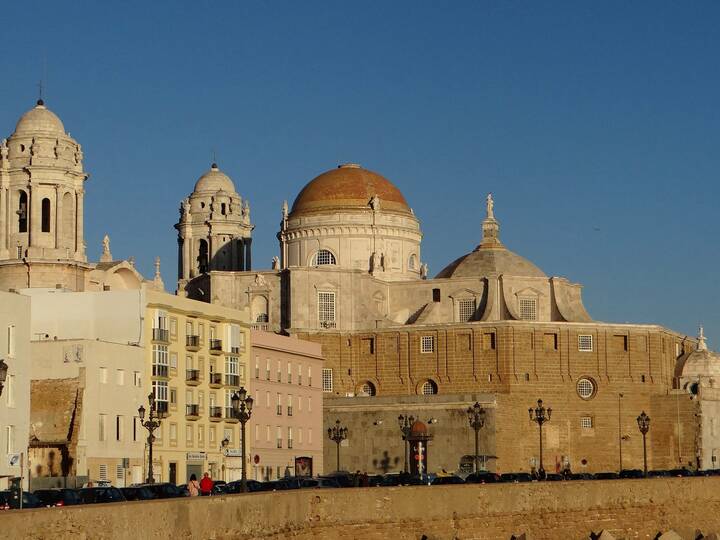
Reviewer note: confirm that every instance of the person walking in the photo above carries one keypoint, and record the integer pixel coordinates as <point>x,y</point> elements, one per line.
<point>193,486</point>
<point>206,485</point>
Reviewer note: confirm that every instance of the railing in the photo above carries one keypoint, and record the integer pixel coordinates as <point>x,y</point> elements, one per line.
<point>161,408</point>
<point>279,410</point>
<point>159,370</point>
<point>216,412</point>
<point>192,375</point>
<point>216,345</point>
<point>192,341</point>
<point>215,378</point>
<point>232,380</point>
<point>192,410</point>
<point>161,334</point>
<point>235,350</point>
<point>260,326</point>
<point>289,443</point>
<point>289,410</point>
<point>279,443</point>
<point>229,413</point>
<point>327,324</point>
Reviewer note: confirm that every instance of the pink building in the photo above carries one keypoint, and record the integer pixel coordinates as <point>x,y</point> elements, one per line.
<point>285,430</point>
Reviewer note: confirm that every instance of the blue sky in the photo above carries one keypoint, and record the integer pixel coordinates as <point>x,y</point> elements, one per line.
<point>594,124</point>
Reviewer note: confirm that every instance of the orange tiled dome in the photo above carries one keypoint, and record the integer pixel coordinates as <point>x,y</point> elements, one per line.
<point>349,186</point>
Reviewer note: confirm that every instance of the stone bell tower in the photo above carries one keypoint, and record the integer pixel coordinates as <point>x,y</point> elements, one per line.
<point>214,231</point>
<point>41,205</point>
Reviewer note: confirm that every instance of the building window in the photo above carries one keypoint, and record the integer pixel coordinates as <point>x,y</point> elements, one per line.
<point>160,361</point>
<point>118,428</point>
<point>550,342</point>
<point>327,379</point>
<point>120,374</point>
<point>289,373</point>
<point>429,388</point>
<point>367,389</point>
<point>300,375</point>
<point>103,472</point>
<point>160,391</point>
<point>135,424</point>
<point>586,388</point>
<point>323,257</point>
<point>585,343</point>
<point>427,344</point>
<point>11,340</point>
<point>309,376</point>
<point>189,435</point>
<point>436,295</point>
<point>279,437</point>
<point>257,367</point>
<point>278,410</point>
<point>586,422</point>
<point>289,405</point>
<point>528,309</point>
<point>45,218</point>
<point>309,435</point>
<point>300,435</point>
<point>326,309</point>
<point>22,212</point>
<point>102,435</point>
<point>466,309</point>
<point>309,404</point>
<point>10,390</point>
<point>137,379</point>
<point>103,375</point>
<point>267,433</point>
<point>290,438</point>
<point>10,439</point>
<point>232,371</point>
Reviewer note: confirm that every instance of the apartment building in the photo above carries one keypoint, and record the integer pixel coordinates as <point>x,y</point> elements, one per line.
<point>15,397</point>
<point>285,430</point>
<point>197,357</point>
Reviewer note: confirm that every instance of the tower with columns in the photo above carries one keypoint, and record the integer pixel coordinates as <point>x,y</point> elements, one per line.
<point>214,230</point>
<point>41,205</point>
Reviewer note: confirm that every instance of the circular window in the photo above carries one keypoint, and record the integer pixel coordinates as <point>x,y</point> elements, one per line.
<point>586,388</point>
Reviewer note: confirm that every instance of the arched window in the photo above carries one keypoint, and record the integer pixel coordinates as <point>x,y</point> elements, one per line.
<point>22,212</point>
<point>367,389</point>
<point>412,262</point>
<point>428,388</point>
<point>222,209</point>
<point>45,221</point>
<point>323,257</point>
<point>203,257</point>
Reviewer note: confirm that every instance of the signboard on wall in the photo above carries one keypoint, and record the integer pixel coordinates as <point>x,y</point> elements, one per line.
<point>303,466</point>
<point>195,456</point>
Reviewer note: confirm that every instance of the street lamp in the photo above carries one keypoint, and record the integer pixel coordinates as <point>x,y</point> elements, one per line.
<point>644,426</point>
<point>338,434</point>
<point>476,417</point>
<point>540,415</point>
<point>152,423</point>
<point>620,436</point>
<point>242,409</point>
<point>223,448</point>
<point>406,423</point>
<point>3,374</point>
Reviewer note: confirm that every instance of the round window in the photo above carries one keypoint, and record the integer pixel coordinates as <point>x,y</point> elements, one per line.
<point>586,388</point>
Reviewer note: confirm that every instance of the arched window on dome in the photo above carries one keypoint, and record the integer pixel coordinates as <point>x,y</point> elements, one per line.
<point>367,389</point>
<point>202,259</point>
<point>429,388</point>
<point>412,262</point>
<point>22,212</point>
<point>323,257</point>
<point>223,209</point>
<point>45,221</point>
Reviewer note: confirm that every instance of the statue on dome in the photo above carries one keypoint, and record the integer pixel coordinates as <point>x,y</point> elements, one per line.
<point>4,150</point>
<point>78,155</point>
<point>490,204</point>
<point>246,212</point>
<point>276,263</point>
<point>285,209</point>
<point>185,208</point>
<point>375,203</point>
<point>106,255</point>
<point>424,270</point>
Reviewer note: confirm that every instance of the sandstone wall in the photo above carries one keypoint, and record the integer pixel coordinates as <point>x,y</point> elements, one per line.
<point>628,509</point>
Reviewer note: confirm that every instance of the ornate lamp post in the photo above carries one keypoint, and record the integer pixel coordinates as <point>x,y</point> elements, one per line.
<point>338,434</point>
<point>242,409</point>
<point>644,426</point>
<point>151,424</point>
<point>3,374</point>
<point>540,415</point>
<point>476,417</point>
<point>406,423</point>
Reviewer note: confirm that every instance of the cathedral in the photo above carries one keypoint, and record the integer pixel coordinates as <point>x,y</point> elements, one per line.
<point>490,327</point>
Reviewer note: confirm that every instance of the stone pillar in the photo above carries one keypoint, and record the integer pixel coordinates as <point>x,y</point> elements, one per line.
<point>3,221</point>
<point>57,217</point>
<point>79,247</point>
<point>248,254</point>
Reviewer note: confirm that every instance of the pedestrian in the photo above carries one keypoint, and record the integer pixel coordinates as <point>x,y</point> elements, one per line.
<point>206,485</point>
<point>193,486</point>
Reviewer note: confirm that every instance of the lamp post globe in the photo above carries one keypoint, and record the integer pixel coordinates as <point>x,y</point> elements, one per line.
<point>643,421</point>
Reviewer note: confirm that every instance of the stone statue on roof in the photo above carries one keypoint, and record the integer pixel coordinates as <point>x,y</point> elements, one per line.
<point>490,204</point>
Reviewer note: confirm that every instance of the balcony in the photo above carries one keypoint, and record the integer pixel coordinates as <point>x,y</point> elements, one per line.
<point>215,380</point>
<point>279,410</point>
<point>229,416</point>
<point>260,326</point>
<point>192,412</point>
<point>161,408</point>
<point>216,346</point>
<point>160,335</point>
<point>160,370</point>
<point>289,410</point>
<point>234,350</point>
<point>290,443</point>
<point>192,343</point>
<point>279,443</point>
<point>192,377</point>
<point>232,380</point>
<point>216,414</point>
<point>328,324</point>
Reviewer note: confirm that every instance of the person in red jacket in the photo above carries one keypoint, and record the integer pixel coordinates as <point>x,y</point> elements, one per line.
<point>206,485</point>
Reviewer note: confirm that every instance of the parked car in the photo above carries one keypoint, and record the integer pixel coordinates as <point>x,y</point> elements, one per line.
<point>10,500</point>
<point>320,482</point>
<point>553,477</point>
<point>236,486</point>
<point>184,490</point>
<point>446,480</point>
<point>375,480</point>
<point>164,490</point>
<point>581,476</point>
<point>680,473</point>
<point>138,493</point>
<point>607,476</point>
<point>58,497</point>
<point>418,480</point>
<point>658,474</point>
<point>631,473</point>
<point>516,477</point>
<point>96,495</point>
<point>482,477</point>
<point>392,479</point>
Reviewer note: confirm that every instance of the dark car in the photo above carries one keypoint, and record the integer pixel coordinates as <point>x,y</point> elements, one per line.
<point>345,479</point>
<point>516,477</point>
<point>482,478</point>
<point>320,482</point>
<point>236,486</point>
<point>552,477</point>
<point>164,490</point>
<point>96,495</point>
<point>375,480</point>
<point>138,493</point>
<point>658,474</point>
<point>58,497</point>
<point>632,473</point>
<point>390,480</point>
<point>446,480</point>
<point>681,473</point>
<point>581,476</point>
<point>10,500</point>
<point>184,490</point>
<point>607,476</point>
<point>418,480</point>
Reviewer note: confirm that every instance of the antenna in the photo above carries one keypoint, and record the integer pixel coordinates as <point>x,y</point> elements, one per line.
<point>40,90</point>
<point>214,157</point>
